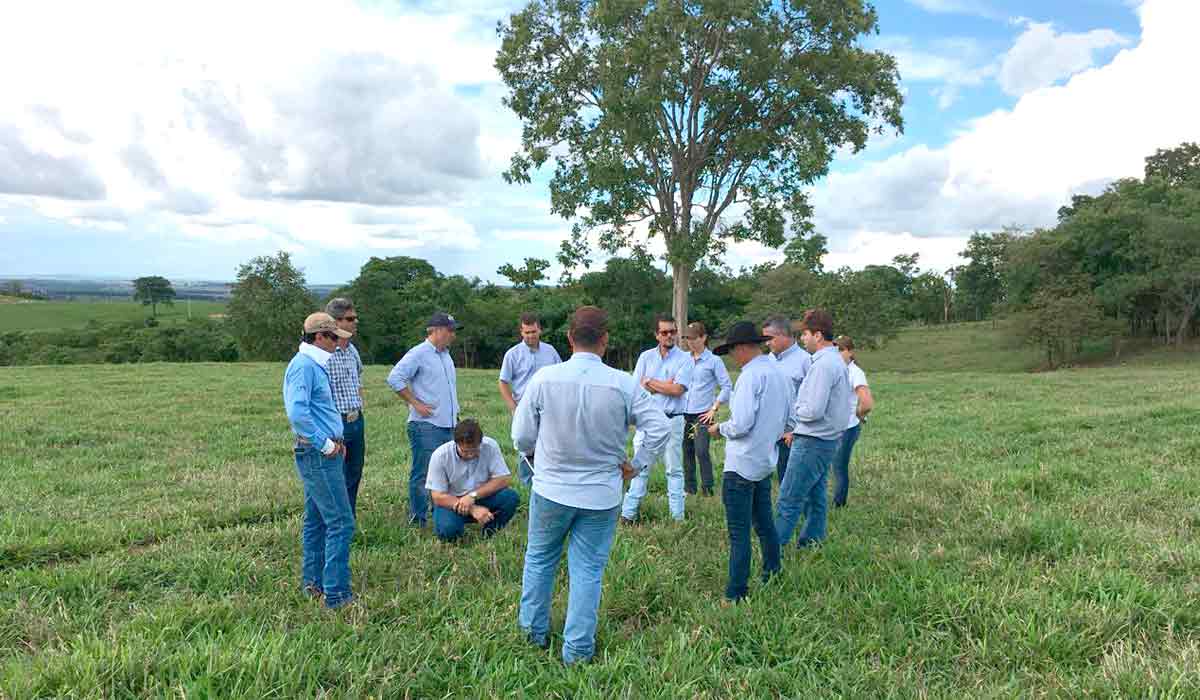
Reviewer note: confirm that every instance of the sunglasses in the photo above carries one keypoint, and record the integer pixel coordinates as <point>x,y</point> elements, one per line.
<point>670,332</point>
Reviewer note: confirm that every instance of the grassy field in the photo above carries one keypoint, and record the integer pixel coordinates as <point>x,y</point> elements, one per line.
<point>1008,534</point>
<point>53,315</point>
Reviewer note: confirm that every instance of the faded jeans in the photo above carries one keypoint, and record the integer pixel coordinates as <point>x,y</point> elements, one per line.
<point>673,460</point>
<point>841,465</point>
<point>802,493</point>
<point>328,525</point>
<point>423,439</point>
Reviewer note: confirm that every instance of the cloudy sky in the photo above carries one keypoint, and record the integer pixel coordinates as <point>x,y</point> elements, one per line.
<point>184,138</point>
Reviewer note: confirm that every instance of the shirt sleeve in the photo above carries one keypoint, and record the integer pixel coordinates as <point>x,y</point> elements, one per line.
<point>723,381</point>
<point>857,378</point>
<point>496,465</point>
<point>506,368</point>
<point>438,479</point>
<point>656,429</point>
<point>297,400</point>
<point>813,397</point>
<point>639,369</point>
<point>683,373</point>
<point>744,410</point>
<point>527,418</point>
<point>406,369</point>
<point>358,360</point>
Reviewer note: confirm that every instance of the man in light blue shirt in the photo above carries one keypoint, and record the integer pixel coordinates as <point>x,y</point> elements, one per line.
<point>758,416</point>
<point>816,423</point>
<point>319,451</point>
<point>793,362</point>
<point>425,378</point>
<point>521,362</point>
<point>665,371</point>
<point>708,375</point>
<point>576,416</point>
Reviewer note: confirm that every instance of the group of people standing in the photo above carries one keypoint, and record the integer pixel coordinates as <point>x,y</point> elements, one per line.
<point>792,413</point>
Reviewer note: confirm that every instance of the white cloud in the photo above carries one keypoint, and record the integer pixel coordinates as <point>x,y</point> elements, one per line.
<point>952,64</point>
<point>961,7</point>
<point>1018,166</point>
<point>1042,56</point>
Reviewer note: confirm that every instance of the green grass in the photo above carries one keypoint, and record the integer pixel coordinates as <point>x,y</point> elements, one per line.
<point>55,315</point>
<point>1007,535</point>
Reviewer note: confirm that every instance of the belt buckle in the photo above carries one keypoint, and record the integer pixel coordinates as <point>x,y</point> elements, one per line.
<point>352,416</point>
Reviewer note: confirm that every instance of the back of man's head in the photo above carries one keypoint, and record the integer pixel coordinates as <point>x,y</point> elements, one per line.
<point>589,324</point>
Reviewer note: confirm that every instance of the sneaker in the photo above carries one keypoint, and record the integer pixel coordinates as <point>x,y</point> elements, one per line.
<point>313,591</point>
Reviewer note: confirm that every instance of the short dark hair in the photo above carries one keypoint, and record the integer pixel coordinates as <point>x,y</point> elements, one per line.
<point>780,324</point>
<point>588,325</point>
<point>338,307</point>
<point>468,432</point>
<point>530,319</point>
<point>308,338</point>
<point>663,318</point>
<point>818,321</point>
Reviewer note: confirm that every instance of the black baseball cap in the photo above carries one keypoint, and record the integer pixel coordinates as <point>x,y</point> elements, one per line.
<point>440,319</point>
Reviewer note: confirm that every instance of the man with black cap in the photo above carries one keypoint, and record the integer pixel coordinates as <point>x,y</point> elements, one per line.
<point>426,380</point>
<point>319,451</point>
<point>817,421</point>
<point>758,416</point>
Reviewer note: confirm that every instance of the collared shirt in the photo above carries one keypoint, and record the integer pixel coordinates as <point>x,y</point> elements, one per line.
<point>822,408</point>
<point>857,378</point>
<point>429,372</point>
<point>521,362</point>
<point>308,398</point>
<point>708,373</point>
<point>450,473</point>
<point>575,416</point>
<point>676,366</point>
<point>759,411</point>
<point>794,363</point>
<point>345,374</point>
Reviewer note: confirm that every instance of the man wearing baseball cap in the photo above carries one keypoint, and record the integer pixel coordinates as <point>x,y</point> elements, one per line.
<point>426,380</point>
<point>319,451</point>
<point>818,418</point>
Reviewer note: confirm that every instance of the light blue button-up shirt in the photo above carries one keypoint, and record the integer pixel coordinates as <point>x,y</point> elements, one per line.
<point>431,376</point>
<point>708,373</point>
<point>676,366</point>
<point>521,362</point>
<point>575,416</point>
<point>759,412</point>
<point>308,398</point>
<point>794,363</point>
<point>822,408</point>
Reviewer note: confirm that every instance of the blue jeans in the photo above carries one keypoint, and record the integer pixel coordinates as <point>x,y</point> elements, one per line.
<point>803,490</point>
<point>748,502</point>
<point>589,536</point>
<point>356,452</point>
<point>781,463</point>
<point>672,459</point>
<point>524,473</point>
<point>449,526</point>
<point>423,439</point>
<point>328,525</point>
<point>841,466</point>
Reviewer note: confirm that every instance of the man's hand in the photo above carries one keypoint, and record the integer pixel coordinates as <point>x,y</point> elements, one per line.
<point>787,439</point>
<point>647,384</point>
<point>482,515</point>
<point>714,429</point>
<point>708,416</point>
<point>464,505</point>
<point>423,408</point>
<point>627,471</point>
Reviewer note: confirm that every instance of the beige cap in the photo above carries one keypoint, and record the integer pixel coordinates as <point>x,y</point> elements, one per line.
<point>321,322</point>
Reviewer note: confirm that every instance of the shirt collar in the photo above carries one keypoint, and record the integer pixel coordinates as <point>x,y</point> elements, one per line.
<point>315,354</point>
<point>588,356</point>
<point>794,347</point>
<point>703,356</point>
<point>434,347</point>
<point>532,351</point>
<point>823,351</point>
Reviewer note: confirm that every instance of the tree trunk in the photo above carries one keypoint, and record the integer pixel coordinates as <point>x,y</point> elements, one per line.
<point>1183,325</point>
<point>680,276</point>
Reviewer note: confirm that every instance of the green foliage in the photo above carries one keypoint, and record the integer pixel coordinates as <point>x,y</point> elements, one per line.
<point>152,291</point>
<point>54,315</point>
<point>200,340</point>
<point>1060,319</point>
<point>669,113</point>
<point>526,277</point>
<point>267,308</point>
<point>806,252</point>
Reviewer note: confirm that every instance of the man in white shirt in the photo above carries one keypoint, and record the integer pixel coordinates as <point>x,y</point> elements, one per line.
<point>521,362</point>
<point>468,481</point>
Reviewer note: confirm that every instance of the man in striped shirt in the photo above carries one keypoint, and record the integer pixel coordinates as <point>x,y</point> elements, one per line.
<point>345,376</point>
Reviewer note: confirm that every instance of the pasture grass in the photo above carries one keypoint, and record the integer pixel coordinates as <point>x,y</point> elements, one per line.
<point>57,315</point>
<point>1007,535</point>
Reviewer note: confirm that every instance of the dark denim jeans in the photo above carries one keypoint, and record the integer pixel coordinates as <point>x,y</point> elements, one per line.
<point>328,525</point>
<point>695,448</point>
<point>449,526</point>
<point>841,466</point>
<point>423,439</point>
<point>802,493</point>
<point>356,452</point>
<point>782,462</point>
<point>588,535</point>
<point>748,502</point>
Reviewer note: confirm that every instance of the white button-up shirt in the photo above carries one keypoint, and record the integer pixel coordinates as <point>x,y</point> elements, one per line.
<point>575,416</point>
<point>708,373</point>
<point>794,363</point>
<point>521,362</point>
<point>434,383</point>
<point>759,412</point>
<point>676,366</point>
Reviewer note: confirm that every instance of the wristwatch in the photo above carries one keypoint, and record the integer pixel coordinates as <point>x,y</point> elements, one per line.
<point>474,495</point>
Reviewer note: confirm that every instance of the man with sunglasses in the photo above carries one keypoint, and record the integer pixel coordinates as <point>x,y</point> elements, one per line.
<point>665,371</point>
<point>345,375</point>
<point>319,451</point>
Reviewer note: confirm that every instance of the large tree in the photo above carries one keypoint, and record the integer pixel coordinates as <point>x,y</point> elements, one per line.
<point>267,307</point>
<point>701,121</point>
<point>152,291</point>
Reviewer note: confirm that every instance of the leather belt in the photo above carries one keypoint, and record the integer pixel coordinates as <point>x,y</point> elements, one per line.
<point>352,416</point>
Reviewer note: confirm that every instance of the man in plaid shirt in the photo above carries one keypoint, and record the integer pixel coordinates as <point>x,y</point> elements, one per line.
<point>345,376</point>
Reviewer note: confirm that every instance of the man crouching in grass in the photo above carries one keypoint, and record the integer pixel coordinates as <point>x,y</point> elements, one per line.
<point>468,480</point>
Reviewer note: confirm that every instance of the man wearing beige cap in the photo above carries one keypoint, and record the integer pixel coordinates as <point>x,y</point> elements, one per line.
<point>319,451</point>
